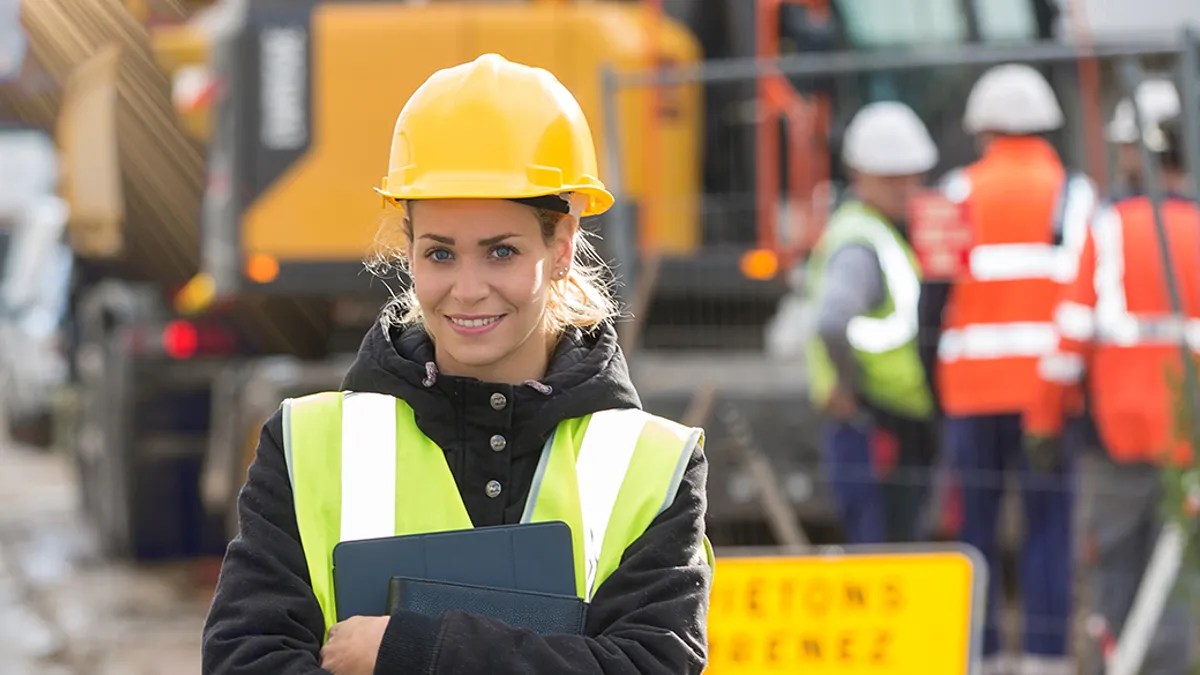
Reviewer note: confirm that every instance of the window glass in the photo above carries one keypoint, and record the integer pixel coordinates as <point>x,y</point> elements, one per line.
<point>1004,20</point>
<point>888,23</point>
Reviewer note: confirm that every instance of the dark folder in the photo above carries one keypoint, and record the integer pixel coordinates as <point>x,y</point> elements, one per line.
<point>542,613</point>
<point>534,557</point>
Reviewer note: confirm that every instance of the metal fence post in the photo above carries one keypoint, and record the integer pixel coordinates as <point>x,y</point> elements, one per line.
<point>618,237</point>
<point>1190,104</point>
<point>1163,567</point>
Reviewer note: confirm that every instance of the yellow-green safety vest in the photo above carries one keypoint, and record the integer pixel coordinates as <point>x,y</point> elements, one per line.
<point>884,339</point>
<point>360,469</point>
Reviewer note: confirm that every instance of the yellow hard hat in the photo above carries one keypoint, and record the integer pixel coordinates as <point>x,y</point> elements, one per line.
<point>494,129</point>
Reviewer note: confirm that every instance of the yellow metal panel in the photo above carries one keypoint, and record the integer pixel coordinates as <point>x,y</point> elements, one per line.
<point>367,60</point>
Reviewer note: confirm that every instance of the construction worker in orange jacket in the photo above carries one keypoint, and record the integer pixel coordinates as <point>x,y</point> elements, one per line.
<point>1028,216</point>
<point>1116,327</point>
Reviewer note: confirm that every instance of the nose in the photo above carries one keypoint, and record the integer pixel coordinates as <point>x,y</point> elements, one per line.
<point>470,285</point>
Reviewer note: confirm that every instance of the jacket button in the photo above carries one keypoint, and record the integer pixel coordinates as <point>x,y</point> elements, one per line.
<point>498,401</point>
<point>498,443</point>
<point>493,489</point>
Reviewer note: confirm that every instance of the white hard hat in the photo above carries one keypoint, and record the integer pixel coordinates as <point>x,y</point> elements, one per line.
<point>1012,99</point>
<point>888,139</point>
<point>1158,100</point>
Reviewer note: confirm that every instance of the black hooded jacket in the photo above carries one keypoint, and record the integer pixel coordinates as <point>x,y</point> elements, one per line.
<point>648,617</point>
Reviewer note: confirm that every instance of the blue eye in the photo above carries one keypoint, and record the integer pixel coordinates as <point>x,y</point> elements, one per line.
<point>502,252</point>
<point>438,255</point>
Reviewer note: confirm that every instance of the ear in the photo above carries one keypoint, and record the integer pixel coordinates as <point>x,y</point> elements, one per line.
<point>564,243</point>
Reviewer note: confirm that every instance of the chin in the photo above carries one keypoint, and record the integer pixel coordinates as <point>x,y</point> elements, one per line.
<point>474,353</point>
<point>477,358</point>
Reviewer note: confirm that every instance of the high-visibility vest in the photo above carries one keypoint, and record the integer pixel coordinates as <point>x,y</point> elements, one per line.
<point>360,469</point>
<point>998,319</point>
<point>884,339</point>
<point>1115,324</point>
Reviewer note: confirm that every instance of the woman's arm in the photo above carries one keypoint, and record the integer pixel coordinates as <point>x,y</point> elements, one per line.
<point>264,617</point>
<point>648,617</point>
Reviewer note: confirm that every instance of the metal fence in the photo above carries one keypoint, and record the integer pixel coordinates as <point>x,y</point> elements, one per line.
<point>745,381</point>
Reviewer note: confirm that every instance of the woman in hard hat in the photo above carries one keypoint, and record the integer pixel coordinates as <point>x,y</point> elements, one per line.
<point>493,393</point>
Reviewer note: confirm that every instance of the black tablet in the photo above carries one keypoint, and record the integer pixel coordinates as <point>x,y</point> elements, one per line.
<point>525,557</point>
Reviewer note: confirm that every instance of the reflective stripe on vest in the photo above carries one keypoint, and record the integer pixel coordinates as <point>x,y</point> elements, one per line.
<point>360,468</point>
<point>1008,262</point>
<point>1061,367</point>
<point>1075,321</point>
<point>884,334</point>
<point>996,340</point>
<point>1111,323</point>
<point>1020,261</point>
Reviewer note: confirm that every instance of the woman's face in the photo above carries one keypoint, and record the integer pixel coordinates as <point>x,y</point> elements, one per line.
<point>482,271</point>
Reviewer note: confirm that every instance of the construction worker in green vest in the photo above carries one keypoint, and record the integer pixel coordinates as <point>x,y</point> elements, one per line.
<point>864,368</point>
<point>493,392</point>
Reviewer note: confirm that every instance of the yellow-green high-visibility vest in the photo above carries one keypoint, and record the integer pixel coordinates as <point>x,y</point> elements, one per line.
<point>885,338</point>
<point>360,469</point>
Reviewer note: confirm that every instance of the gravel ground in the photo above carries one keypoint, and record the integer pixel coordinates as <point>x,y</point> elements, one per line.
<point>63,611</point>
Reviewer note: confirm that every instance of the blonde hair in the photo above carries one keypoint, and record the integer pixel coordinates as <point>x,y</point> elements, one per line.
<point>583,299</point>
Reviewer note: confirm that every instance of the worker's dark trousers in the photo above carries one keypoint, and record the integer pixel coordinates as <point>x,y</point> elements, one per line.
<point>983,449</point>
<point>878,470</point>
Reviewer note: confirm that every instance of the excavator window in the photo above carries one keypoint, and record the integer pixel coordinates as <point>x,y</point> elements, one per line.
<point>1006,20</point>
<point>901,23</point>
<point>938,94</point>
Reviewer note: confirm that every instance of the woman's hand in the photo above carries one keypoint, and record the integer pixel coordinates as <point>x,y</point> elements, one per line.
<point>353,645</point>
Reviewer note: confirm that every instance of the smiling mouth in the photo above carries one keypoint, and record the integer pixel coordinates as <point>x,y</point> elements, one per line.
<point>475,323</point>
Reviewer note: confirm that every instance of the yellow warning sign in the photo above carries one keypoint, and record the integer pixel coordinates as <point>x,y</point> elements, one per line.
<point>869,612</point>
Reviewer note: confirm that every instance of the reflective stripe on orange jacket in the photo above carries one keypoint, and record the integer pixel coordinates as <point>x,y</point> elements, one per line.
<point>1115,324</point>
<point>997,320</point>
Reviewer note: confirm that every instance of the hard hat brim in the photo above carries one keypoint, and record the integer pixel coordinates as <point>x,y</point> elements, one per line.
<point>599,199</point>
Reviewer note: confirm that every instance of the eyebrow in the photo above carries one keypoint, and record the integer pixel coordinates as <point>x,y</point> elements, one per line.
<point>449,241</point>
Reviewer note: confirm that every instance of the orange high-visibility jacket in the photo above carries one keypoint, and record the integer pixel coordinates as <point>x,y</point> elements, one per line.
<point>997,321</point>
<point>1115,324</point>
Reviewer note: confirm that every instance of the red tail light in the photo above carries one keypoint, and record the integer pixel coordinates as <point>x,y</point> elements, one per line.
<point>184,340</point>
<point>180,340</point>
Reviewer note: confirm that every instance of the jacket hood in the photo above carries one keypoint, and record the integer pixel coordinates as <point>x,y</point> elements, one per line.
<point>587,373</point>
